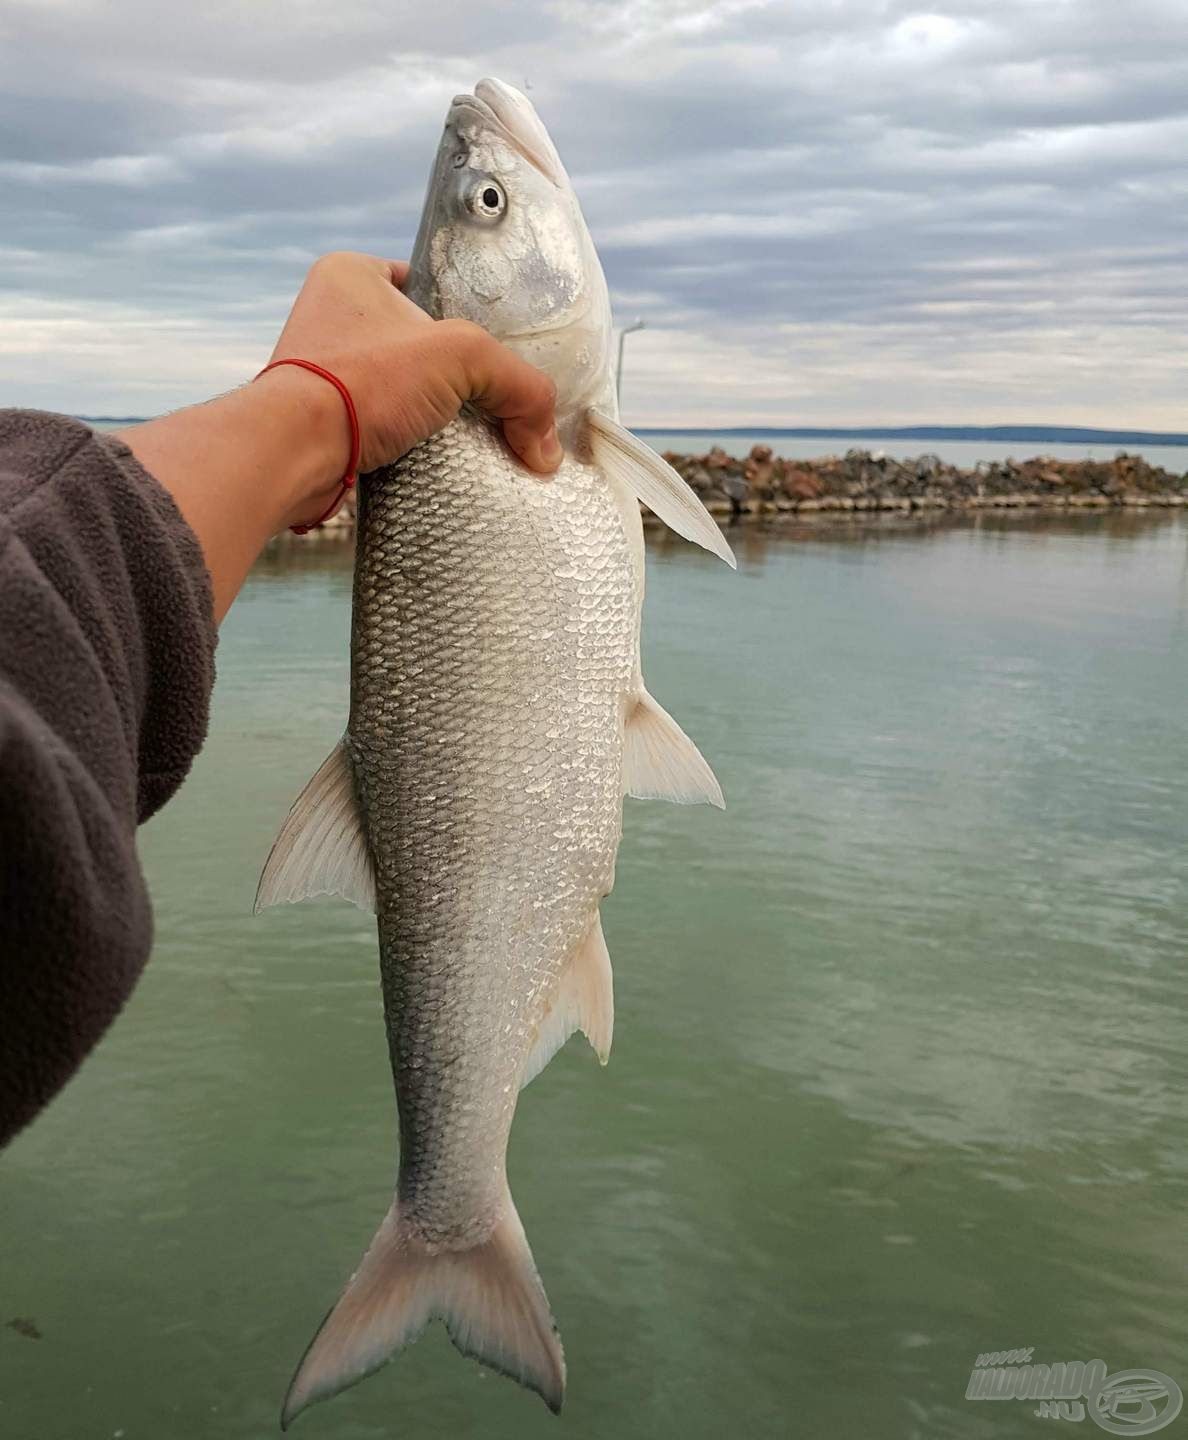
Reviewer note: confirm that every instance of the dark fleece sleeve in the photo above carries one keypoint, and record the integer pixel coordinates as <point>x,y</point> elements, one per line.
<point>106,664</point>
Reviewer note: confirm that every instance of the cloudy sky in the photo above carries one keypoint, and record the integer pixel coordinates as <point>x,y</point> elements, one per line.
<point>827,211</point>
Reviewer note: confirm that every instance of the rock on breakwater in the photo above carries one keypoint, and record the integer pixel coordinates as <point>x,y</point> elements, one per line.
<point>764,483</point>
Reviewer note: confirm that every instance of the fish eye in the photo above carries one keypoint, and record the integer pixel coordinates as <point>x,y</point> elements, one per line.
<point>487,200</point>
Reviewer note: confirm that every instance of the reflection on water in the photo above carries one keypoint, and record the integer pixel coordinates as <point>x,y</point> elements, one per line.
<point>753,536</point>
<point>899,1069</point>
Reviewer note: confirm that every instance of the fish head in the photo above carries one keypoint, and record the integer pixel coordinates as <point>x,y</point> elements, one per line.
<point>503,243</point>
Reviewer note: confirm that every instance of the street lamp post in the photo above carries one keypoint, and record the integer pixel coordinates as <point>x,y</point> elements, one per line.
<point>623,334</point>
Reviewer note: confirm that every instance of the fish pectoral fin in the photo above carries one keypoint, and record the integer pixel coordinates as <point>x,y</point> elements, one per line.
<point>660,762</point>
<point>625,458</point>
<point>585,1001</point>
<point>489,1296</point>
<point>322,846</point>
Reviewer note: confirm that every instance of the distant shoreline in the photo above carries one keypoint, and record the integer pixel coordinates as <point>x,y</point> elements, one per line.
<point>993,434</point>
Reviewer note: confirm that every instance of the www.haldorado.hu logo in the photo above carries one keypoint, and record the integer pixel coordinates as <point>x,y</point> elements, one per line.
<point>1128,1402</point>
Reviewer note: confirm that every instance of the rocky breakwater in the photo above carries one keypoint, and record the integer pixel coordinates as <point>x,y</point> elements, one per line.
<point>861,480</point>
<point>765,485</point>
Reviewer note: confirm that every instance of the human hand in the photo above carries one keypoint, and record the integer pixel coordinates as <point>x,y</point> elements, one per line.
<point>272,454</point>
<point>408,375</point>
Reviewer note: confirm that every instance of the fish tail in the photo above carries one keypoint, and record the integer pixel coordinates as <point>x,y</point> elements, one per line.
<point>489,1296</point>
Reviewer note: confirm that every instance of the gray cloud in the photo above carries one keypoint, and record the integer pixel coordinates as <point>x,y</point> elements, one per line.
<point>828,211</point>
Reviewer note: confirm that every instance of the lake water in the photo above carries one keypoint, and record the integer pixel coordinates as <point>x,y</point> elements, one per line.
<point>899,1071</point>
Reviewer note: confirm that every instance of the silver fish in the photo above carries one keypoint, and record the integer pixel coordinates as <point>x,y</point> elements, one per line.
<point>498,715</point>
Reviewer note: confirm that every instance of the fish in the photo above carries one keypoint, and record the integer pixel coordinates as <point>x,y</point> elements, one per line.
<point>498,716</point>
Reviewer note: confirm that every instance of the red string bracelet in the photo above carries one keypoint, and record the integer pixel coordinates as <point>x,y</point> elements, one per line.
<point>352,470</point>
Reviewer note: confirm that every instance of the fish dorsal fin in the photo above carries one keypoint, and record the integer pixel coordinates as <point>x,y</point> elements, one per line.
<point>322,846</point>
<point>585,1001</point>
<point>660,762</point>
<point>624,457</point>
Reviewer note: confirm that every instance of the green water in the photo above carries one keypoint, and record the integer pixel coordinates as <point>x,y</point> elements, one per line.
<point>899,1067</point>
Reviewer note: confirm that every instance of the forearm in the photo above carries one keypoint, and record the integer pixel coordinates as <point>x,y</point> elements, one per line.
<point>247,465</point>
<point>75,927</point>
<point>106,650</point>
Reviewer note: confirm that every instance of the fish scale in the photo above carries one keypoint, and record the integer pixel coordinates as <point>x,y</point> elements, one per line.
<point>494,647</point>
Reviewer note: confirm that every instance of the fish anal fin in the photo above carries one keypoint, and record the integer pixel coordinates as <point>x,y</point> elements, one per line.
<point>625,458</point>
<point>660,762</point>
<point>322,846</point>
<point>585,1001</point>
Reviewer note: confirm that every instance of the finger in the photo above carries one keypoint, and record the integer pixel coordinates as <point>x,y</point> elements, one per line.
<point>518,394</point>
<point>347,260</point>
<point>398,270</point>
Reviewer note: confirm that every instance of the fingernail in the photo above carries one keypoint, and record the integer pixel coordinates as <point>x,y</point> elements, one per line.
<point>550,449</point>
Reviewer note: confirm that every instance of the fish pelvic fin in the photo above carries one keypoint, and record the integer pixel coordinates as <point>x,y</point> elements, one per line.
<point>322,846</point>
<point>489,1296</point>
<point>585,1001</point>
<point>625,458</point>
<point>660,762</point>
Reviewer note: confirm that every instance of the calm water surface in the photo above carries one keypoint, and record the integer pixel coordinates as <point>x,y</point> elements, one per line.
<point>899,1067</point>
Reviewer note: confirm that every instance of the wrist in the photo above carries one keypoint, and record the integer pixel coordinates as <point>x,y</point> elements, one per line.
<point>308,420</point>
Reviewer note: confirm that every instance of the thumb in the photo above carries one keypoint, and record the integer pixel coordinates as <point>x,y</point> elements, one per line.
<point>499,382</point>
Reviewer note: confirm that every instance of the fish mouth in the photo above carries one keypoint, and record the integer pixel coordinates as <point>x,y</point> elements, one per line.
<point>511,114</point>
